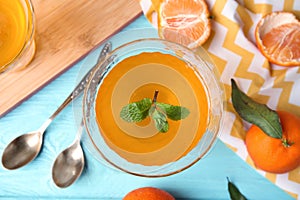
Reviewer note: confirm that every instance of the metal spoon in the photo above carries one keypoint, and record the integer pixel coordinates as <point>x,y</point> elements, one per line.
<point>26,147</point>
<point>69,164</point>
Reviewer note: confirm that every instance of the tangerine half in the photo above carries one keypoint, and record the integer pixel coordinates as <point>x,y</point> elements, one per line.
<point>278,38</point>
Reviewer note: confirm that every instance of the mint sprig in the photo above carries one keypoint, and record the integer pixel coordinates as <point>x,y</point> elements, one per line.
<point>159,112</point>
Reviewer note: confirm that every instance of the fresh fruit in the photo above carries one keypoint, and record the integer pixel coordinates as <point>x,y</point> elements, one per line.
<point>148,193</point>
<point>272,154</point>
<point>273,140</point>
<point>278,38</point>
<point>184,21</point>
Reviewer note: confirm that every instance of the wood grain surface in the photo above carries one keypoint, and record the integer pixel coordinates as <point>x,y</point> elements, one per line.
<point>65,32</point>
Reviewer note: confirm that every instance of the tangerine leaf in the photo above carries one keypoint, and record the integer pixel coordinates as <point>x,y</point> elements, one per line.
<point>234,192</point>
<point>256,113</point>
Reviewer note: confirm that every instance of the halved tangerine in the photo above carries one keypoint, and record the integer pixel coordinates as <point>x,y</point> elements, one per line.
<point>184,21</point>
<point>278,38</point>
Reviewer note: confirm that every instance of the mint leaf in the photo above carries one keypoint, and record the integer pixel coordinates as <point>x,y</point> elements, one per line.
<point>137,111</point>
<point>174,112</point>
<point>160,119</point>
<point>256,113</point>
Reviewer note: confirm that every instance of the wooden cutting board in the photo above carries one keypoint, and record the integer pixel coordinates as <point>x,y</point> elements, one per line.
<point>66,31</point>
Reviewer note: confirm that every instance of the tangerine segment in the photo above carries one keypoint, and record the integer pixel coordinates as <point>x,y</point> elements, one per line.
<point>184,21</point>
<point>276,155</point>
<point>278,38</point>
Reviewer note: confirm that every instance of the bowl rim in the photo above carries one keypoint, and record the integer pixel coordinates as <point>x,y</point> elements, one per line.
<point>198,157</point>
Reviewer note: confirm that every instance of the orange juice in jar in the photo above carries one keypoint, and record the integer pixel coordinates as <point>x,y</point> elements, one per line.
<point>17,45</point>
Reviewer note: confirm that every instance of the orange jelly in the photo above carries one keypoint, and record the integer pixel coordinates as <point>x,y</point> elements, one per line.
<point>137,77</point>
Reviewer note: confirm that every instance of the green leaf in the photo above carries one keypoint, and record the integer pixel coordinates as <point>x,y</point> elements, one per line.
<point>160,119</point>
<point>234,192</point>
<point>159,112</point>
<point>137,111</point>
<point>174,112</point>
<point>256,113</point>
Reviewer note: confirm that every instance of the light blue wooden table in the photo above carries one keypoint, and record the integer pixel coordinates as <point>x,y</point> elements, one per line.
<point>204,180</point>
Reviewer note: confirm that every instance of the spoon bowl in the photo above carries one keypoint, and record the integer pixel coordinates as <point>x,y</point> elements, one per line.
<point>26,147</point>
<point>22,150</point>
<point>68,166</point>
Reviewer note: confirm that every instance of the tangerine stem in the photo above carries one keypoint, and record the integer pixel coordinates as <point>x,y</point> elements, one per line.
<point>286,143</point>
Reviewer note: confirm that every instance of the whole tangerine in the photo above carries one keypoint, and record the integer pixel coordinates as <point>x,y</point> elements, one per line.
<point>148,193</point>
<point>272,154</point>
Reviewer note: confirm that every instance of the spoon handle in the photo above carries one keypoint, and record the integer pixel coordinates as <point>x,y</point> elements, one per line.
<point>82,84</point>
<point>79,132</point>
<point>79,88</point>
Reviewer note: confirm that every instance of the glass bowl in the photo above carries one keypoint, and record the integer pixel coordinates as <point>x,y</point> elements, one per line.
<point>101,147</point>
<point>23,27</point>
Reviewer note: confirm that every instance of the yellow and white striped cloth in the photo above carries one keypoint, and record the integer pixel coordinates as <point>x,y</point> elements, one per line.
<point>233,49</point>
